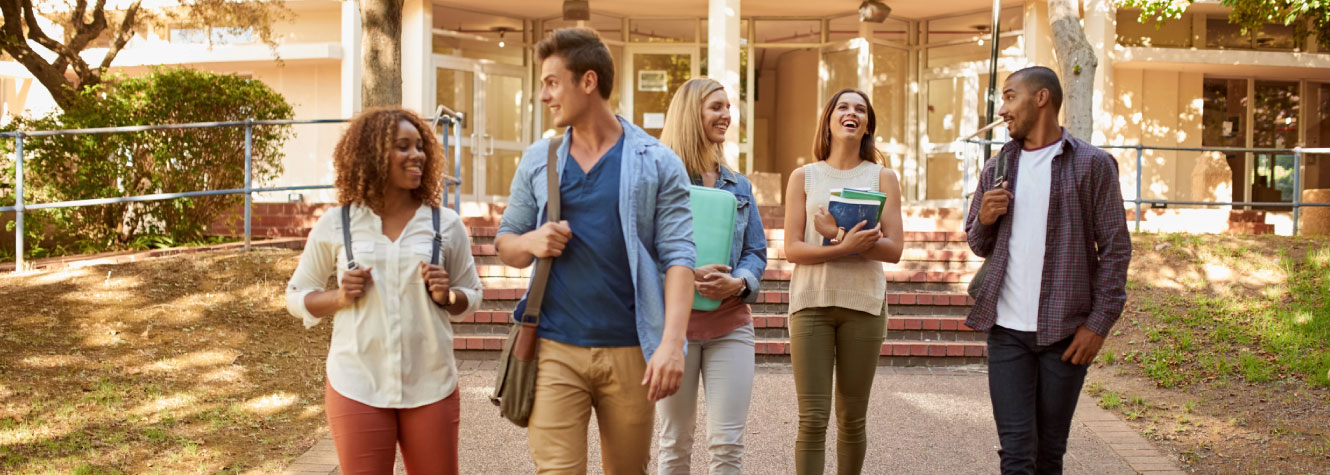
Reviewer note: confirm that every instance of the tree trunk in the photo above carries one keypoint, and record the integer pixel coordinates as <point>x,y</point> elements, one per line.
<point>382,58</point>
<point>1078,67</point>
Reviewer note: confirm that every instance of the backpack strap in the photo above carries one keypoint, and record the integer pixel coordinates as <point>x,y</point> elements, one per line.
<point>1000,170</point>
<point>438,237</point>
<point>346,236</point>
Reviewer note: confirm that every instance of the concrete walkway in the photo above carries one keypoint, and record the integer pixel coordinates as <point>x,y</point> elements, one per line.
<point>922,421</point>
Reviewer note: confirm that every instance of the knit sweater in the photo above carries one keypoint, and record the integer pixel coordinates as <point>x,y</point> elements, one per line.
<point>849,282</point>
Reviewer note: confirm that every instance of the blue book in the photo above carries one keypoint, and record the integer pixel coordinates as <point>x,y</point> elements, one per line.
<point>850,211</point>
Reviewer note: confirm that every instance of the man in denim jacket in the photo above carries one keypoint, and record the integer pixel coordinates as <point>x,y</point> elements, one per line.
<point>611,333</point>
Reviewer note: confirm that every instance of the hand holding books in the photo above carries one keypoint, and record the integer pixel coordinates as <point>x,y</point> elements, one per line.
<point>850,219</point>
<point>859,240</point>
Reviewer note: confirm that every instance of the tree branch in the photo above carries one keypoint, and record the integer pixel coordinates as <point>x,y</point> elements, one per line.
<point>122,35</point>
<point>15,43</point>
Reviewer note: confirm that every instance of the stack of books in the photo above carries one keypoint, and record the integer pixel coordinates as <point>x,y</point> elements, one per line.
<point>851,205</point>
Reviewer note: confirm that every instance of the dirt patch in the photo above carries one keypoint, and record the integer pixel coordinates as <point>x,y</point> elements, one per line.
<point>187,364</point>
<point>1221,353</point>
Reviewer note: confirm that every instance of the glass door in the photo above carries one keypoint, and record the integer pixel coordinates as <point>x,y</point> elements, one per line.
<point>1275,125</point>
<point>655,72</point>
<point>492,98</point>
<point>455,88</point>
<point>504,114</point>
<point>847,64</point>
<point>880,71</point>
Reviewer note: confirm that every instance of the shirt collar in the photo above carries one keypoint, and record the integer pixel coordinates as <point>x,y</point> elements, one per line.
<point>1068,145</point>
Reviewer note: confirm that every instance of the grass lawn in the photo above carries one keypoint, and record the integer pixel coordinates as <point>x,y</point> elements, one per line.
<point>188,364</point>
<point>1223,352</point>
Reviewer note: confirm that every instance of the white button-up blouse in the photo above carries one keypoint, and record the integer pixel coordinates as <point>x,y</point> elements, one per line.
<point>394,347</point>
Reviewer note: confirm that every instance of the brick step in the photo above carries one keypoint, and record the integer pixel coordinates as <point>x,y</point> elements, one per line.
<point>778,252</point>
<point>952,303</point>
<point>498,276</point>
<point>901,353</point>
<point>781,296</point>
<point>777,235</point>
<point>774,321</point>
<point>498,282</point>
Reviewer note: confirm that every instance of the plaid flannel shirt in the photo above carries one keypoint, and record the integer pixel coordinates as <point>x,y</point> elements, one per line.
<point>1088,246</point>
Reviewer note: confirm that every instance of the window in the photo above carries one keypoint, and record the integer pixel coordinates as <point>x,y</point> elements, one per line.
<point>213,35</point>
<point>1168,34</point>
<point>1220,34</point>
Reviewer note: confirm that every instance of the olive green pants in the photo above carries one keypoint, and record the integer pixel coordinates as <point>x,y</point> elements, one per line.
<point>828,341</point>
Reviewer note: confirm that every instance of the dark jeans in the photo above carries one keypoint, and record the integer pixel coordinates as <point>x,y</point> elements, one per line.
<point>1034,395</point>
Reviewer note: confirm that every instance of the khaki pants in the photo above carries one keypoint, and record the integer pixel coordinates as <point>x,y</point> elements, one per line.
<point>570,382</point>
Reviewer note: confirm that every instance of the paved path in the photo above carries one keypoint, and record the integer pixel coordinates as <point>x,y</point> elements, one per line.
<point>922,421</point>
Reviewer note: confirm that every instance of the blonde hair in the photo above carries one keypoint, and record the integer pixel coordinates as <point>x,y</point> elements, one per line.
<point>684,132</point>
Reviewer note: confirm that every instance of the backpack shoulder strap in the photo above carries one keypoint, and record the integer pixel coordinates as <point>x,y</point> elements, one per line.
<point>438,237</point>
<point>346,236</point>
<point>1000,170</point>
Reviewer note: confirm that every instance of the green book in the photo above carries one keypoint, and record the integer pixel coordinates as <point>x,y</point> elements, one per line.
<point>714,213</point>
<point>861,194</point>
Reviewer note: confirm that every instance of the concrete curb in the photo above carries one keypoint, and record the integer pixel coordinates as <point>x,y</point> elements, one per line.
<point>86,260</point>
<point>321,459</point>
<point>1137,452</point>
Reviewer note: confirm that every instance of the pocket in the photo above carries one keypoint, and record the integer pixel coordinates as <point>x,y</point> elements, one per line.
<point>363,253</point>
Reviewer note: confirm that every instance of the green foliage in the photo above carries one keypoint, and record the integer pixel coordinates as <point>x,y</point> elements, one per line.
<point>1251,15</point>
<point>85,166</point>
<point>1282,333</point>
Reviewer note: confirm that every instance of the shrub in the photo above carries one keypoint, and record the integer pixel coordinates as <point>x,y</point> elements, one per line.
<point>85,166</point>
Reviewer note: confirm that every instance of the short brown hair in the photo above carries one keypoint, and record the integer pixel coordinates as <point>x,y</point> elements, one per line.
<point>822,141</point>
<point>361,159</point>
<point>582,51</point>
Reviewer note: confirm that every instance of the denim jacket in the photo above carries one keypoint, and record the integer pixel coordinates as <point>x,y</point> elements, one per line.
<point>748,256</point>
<point>653,207</point>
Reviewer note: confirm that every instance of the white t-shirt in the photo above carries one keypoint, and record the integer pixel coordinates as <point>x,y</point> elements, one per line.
<point>1018,302</point>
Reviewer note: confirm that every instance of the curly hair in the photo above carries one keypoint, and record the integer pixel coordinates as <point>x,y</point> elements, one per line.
<point>363,153</point>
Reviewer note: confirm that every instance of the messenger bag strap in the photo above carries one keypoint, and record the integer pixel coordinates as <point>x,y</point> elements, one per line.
<point>537,294</point>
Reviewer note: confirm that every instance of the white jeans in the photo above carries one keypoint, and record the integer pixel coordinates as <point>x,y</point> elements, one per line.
<point>725,366</point>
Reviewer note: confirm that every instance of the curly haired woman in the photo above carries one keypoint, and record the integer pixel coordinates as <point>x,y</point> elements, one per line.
<point>392,378</point>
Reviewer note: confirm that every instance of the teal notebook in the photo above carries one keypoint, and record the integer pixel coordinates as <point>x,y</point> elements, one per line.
<point>713,232</point>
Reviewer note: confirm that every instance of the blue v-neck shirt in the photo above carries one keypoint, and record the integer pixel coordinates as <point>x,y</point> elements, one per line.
<point>594,263</point>
<point>655,220</point>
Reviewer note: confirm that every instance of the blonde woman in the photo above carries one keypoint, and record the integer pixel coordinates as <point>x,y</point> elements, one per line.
<point>720,341</point>
<point>837,291</point>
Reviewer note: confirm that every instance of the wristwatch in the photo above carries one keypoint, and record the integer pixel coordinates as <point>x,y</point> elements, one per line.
<point>452,297</point>
<point>840,235</point>
<point>743,289</point>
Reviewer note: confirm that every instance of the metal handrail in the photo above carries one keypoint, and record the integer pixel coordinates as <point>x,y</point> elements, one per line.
<point>1140,149</point>
<point>447,119</point>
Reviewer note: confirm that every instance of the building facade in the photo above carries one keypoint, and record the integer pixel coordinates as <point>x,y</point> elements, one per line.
<point>1194,82</point>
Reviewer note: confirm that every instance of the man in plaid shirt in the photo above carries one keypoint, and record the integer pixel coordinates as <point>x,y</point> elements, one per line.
<point>1056,235</point>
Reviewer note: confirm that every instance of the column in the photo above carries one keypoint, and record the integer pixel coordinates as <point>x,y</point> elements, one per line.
<point>1101,30</point>
<point>418,80</point>
<point>723,45</point>
<point>351,53</point>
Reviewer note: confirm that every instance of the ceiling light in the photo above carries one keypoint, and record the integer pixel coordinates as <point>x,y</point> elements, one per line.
<point>574,10</point>
<point>871,11</point>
